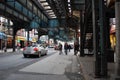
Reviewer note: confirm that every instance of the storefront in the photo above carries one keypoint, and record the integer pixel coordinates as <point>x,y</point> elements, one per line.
<point>3,38</point>
<point>20,40</point>
<point>9,41</point>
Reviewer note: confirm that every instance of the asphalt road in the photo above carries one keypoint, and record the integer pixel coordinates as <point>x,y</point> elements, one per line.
<point>10,63</point>
<point>15,60</point>
<point>49,67</point>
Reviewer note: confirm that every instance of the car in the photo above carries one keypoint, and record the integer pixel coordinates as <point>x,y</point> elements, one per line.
<point>36,50</point>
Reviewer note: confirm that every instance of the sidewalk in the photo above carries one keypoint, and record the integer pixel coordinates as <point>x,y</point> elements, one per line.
<point>10,50</point>
<point>87,64</point>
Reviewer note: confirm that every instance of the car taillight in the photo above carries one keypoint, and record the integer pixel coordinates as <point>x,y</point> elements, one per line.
<point>35,49</point>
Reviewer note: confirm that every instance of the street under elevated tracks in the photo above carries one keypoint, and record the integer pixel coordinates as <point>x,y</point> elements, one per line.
<point>50,67</point>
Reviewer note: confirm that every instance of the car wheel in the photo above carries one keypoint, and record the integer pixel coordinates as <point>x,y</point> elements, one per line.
<point>25,55</point>
<point>46,53</point>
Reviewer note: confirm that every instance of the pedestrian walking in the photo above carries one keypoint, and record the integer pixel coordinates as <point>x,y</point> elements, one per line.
<point>60,48</point>
<point>66,48</point>
<point>69,47</point>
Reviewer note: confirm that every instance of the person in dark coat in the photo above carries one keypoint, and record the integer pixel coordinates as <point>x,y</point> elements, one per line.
<point>69,47</point>
<point>60,48</point>
<point>66,48</point>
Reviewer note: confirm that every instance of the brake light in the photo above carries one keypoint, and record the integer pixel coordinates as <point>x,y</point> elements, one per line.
<point>35,49</point>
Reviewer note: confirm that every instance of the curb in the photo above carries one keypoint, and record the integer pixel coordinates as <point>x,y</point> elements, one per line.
<point>81,68</point>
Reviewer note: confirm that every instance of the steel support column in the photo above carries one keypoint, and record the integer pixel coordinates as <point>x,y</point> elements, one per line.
<point>102,39</point>
<point>117,14</point>
<point>28,36</point>
<point>81,34</point>
<point>95,40</point>
<point>13,41</point>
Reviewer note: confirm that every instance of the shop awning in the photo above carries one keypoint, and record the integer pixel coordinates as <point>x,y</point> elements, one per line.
<point>3,35</point>
<point>20,38</point>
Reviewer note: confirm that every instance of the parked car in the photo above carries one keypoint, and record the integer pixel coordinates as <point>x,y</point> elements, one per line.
<point>36,50</point>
